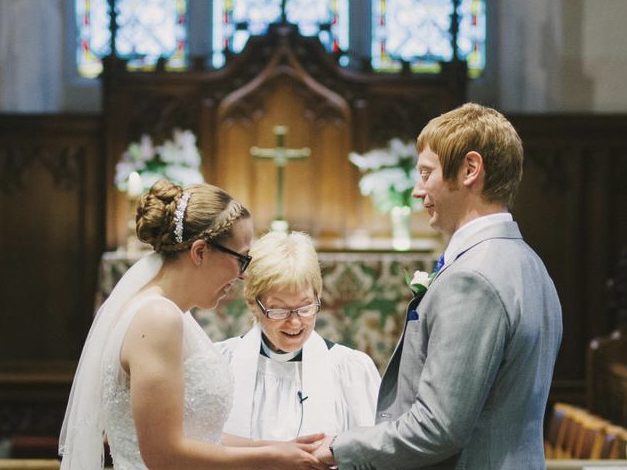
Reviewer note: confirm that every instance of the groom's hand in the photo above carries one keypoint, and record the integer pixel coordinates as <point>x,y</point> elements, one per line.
<point>310,438</point>
<point>323,452</point>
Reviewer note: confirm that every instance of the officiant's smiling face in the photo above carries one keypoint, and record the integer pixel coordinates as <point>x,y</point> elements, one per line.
<point>284,274</point>
<point>290,334</point>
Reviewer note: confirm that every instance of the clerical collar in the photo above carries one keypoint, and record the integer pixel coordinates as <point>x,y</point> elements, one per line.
<point>279,357</point>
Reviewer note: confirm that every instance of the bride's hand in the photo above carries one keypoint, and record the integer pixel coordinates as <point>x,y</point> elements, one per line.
<point>295,456</point>
<point>323,452</point>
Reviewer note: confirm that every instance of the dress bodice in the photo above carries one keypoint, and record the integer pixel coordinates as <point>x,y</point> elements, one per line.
<point>208,396</point>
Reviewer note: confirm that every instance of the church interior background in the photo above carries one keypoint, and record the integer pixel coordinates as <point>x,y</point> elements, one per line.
<point>81,89</point>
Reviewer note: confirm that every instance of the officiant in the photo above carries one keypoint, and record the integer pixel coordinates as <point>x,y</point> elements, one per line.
<point>289,380</point>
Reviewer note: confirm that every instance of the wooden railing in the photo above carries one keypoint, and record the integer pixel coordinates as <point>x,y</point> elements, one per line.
<point>28,464</point>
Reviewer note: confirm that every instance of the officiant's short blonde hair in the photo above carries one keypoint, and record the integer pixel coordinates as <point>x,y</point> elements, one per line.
<point>282,261</point>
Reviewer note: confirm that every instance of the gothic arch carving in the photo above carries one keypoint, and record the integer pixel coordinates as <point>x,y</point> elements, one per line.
<point>322,103</point>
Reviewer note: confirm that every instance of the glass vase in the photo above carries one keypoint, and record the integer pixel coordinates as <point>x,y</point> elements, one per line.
<point>400,217</point>
<point>133,245</point>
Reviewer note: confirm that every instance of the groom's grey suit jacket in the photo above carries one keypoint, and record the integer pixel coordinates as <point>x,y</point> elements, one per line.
<point>467,385</point>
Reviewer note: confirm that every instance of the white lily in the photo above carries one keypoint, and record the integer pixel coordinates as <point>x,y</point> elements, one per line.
<point>388,174</point>
<point>176,159</point>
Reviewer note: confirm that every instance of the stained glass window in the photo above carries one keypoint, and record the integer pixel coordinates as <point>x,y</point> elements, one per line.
<point>93,35</point>
<point>418,32</point>
<point>147,30</point>
<point>414,31</point>
<point>235,21</point>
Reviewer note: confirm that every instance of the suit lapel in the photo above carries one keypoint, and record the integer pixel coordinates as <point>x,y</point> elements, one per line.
<point>392,367</point>
<point>507,230</point>
<point>497,230</point>
<point>389,383</point>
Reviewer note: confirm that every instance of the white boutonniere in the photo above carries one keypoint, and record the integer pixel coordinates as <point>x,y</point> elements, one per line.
<point>419,283</point>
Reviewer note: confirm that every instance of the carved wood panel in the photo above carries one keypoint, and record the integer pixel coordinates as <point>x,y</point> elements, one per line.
<point>318,197</point>
<point>51,234</point>
<point>571,211</point>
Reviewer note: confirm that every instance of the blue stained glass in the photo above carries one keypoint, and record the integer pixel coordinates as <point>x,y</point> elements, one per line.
<point>147,30</point>
<point>472,35</point>
<point>418,31</point>
<point>92,18</point>
<point>234,21</point>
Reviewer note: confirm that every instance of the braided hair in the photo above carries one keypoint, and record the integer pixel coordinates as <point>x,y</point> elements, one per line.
<point>209,215</point>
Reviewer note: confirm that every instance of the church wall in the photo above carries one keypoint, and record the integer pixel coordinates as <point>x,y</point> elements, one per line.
<point>543,56</point>
<point>604,53</point>
<point>560,56</point>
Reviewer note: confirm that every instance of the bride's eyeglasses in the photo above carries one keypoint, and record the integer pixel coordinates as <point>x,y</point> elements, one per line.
<point>282,313</point>
<point>244,260</point>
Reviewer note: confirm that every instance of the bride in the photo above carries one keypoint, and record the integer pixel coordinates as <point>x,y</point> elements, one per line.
<point>149,379</point>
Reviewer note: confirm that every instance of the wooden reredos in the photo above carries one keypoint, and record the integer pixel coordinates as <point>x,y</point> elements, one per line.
<point>281,78</point>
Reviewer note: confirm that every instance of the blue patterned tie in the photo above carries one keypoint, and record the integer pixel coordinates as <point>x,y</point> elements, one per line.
<point>438,264</point>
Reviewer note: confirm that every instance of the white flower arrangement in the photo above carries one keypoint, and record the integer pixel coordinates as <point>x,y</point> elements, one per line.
<point>177,160</point>
<point>389,175</point>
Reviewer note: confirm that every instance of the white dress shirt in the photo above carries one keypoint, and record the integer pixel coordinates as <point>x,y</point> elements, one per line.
<point>458,240</point>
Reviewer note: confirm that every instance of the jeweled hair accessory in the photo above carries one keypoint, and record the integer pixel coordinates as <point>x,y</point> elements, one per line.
<point>179,215</point>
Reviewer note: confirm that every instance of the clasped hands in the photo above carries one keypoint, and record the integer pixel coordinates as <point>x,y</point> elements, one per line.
<point>318,445</point>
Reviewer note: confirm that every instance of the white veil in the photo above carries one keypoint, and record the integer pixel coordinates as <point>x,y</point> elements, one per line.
<point>82,433</point>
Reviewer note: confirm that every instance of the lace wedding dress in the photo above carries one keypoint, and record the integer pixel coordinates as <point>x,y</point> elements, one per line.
<point>208,390</point>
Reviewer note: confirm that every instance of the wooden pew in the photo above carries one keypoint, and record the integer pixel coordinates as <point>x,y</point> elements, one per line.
<point>590,440</point>
<point>554,430</point>
<point>585,464</point>
<point>615,443</point>
<point>606,365</point>
<point>575,433</point>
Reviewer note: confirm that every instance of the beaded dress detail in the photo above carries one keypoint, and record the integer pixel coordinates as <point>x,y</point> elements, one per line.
<point>208,391</point>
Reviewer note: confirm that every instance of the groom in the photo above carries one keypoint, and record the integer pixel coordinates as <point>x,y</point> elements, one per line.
<point>468,382</point>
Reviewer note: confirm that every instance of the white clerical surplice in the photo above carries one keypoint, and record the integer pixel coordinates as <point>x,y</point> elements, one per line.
<point>326,387</point>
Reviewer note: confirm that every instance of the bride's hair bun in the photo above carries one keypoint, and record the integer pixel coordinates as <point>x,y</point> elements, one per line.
<point>155,214</point>
<point>208,213</point>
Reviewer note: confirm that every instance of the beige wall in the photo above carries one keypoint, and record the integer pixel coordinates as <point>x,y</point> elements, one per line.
<point>558,55</point>
<point>605,53</point>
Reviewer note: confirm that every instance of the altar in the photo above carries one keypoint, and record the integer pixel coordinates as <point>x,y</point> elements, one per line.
<point>363,300</point>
